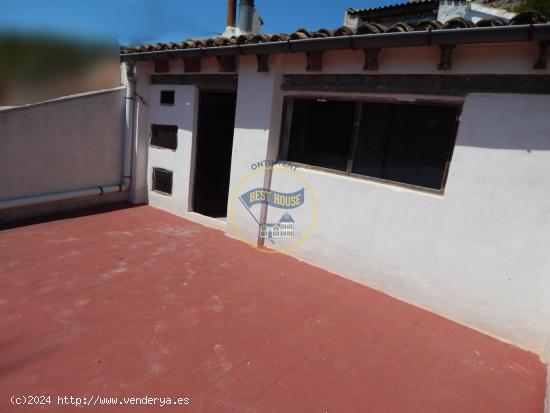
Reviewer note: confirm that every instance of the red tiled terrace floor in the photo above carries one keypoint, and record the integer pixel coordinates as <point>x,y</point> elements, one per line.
<point>136,302</point>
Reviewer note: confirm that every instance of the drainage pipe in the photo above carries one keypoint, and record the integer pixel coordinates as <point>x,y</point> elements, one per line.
<point>98,190</point>
<point>59,196</point>
<point>130,102</point>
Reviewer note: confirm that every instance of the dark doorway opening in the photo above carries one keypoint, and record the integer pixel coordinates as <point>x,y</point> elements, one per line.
<point>213,158</point>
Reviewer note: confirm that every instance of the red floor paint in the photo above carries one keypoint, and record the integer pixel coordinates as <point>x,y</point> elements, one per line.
<point>137,302</point>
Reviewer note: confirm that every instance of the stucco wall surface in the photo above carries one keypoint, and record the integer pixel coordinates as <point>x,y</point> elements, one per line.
<point>476,254</point>
<point>479,252</point>
<point>67,144</point>
<point>179,161</point>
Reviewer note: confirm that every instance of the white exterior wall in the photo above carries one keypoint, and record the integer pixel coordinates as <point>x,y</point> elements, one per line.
<point>183,115</point>
<point>351,20</point>
<point>449,9</point>
<point>256,132</point>
<point>476,254</point>
<point>478,12</point>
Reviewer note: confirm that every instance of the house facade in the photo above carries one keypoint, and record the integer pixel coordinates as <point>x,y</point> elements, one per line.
<point>414,12</point>
<point>422,155</point>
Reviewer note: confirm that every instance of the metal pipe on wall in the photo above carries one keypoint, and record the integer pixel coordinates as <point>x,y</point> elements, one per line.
<point>59,196</point>
<point>129,104</point>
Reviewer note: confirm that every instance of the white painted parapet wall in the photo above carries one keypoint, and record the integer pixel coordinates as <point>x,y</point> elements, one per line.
<point>71,146</point>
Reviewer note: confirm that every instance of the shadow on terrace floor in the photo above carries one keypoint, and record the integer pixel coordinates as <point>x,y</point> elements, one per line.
<point>70,214</point>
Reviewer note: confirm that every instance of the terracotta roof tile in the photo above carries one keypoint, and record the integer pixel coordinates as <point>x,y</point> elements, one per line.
<point>428,25</point>
<point>280,37</point>
<point>490,22</point>
<point>343,31</point>
<point>300,34</point>
<point>457,23</point>
<point>400,27</point>
<point>530,17</point>
<point>322,33</point>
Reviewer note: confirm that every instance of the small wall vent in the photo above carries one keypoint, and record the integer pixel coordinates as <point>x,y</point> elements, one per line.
<point>164,136</point>
<point>162,181</point>
<point>167,97</point>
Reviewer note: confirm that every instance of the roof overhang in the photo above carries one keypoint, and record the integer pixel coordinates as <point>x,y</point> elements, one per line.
<point>442,37</point>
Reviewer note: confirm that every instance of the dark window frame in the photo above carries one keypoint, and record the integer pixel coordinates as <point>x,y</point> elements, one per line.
<point>154,181</point>
<point>171,128</point>
<point>172,93</point>
<point>286,125</point>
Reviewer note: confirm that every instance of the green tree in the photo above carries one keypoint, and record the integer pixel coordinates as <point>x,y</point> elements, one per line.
<point>542,6</point>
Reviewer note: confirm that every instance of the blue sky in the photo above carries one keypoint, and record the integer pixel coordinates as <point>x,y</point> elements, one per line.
<point>145,21</point>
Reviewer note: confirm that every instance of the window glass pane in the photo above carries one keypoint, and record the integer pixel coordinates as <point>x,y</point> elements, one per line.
<point>371,145</point>
<point>321,133</point>
<point>405,143</point>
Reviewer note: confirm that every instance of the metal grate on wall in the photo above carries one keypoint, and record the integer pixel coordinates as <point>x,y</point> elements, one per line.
<point>162,181</point>
<point>167,97</point>
<point>164,136</point>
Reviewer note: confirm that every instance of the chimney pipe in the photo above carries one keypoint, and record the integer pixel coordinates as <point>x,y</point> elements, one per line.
<point>246,9</point>
<point>231,12</point>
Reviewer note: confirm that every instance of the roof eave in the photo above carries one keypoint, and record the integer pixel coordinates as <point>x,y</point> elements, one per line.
<point>499,34</point>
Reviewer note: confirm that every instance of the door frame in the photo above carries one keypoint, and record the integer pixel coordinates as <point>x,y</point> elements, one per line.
<point>195,142</point>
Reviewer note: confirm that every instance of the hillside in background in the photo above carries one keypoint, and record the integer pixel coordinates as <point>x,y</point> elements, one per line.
<point>542,6</point>
<point>35,68</point>
<point>510,5</point>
